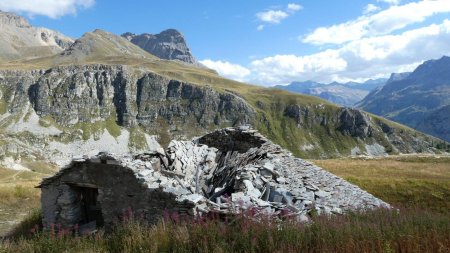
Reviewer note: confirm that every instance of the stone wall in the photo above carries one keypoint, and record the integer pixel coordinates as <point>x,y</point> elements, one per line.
<point>226,171</point>
<point>120,192</point>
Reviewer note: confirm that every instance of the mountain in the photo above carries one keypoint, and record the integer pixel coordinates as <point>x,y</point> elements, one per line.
<point>346,94</point>
<point>19,40</point>
<point>169,44</point>
<point>105,93</point>
<point>368,85</point>
<point>418,99</point>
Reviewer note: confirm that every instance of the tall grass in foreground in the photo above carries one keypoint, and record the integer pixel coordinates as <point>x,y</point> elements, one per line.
<point>373,231</point>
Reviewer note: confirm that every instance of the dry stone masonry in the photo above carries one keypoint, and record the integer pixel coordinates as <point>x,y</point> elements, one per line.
<point>226,172</point>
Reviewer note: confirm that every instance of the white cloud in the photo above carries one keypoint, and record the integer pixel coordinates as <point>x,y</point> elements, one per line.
<point>260,28</point>
<point>380,23</point>
<point>391,2</point>
<point>280,69</point>
<point>272,16</point>
<point>276,16</point>
<point>294,7</point>
<point>226,69</point>
<point>371,8</point>
<point>50,8</point>
<point>358,60</point>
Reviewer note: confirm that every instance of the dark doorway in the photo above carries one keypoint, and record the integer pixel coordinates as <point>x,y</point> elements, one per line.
<point>91,212</point>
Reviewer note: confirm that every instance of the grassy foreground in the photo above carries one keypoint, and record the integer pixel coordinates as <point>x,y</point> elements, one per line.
<point>420,186</point>
<point>377,231</point>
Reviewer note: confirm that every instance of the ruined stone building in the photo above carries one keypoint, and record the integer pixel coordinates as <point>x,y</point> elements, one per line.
<point>225,171</point>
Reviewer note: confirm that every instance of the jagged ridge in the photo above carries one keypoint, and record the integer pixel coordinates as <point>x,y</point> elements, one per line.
<point>169,44</point>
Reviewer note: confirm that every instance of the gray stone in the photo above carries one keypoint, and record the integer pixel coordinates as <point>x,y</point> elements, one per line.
<point>195,184</point>
<point>194,198</point>
<point>169,44</point>
<point>322,194</point>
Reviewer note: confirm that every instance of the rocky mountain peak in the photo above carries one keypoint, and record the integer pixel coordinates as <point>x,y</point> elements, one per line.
<point>436,70</point>
<point>94,45</point>
<point>19,40</point>
<point>12,19</point>
<point>398,76</point>
<point>173,34</point>
<point>169,45</point>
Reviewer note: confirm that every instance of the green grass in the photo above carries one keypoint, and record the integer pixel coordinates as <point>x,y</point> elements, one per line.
<point>3,106</point>
<point>4,95</point>
<point>137,139</point>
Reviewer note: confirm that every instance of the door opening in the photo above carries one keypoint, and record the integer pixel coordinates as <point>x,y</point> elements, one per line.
<point>90,209</point>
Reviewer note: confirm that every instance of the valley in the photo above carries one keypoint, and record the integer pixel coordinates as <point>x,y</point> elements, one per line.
<point>125,141</point>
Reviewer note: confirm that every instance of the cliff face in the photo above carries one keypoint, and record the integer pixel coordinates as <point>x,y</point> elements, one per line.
<point>74,98</point>
<point>84,94</point>
<point>67,110</point>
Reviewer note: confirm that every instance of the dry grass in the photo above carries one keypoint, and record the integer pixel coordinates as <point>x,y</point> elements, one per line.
<point>405,181</point>
<point>410,181</point>
<point>18,195</point>
<point>375,231</point>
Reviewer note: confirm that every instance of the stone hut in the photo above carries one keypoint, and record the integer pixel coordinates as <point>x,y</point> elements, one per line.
<point>226,171</point>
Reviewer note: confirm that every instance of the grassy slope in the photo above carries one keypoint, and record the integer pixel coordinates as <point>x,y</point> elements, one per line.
<point>17,193</point>
<point>403,180</point>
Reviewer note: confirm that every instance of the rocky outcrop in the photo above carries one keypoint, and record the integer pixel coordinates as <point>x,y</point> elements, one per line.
<point>66,102</point>
<point>355,123</point>
<point>57,111</point>
<point>169,45</point>
<point>89,93</point>
<point>359,125</point>
<point>10,19</point>
<point>227,171</point>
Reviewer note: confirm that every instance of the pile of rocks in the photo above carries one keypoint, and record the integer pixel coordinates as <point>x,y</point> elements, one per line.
<point>235,169</point>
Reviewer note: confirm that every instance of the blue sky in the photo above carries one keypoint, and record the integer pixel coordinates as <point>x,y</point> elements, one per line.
<point>271,42</point>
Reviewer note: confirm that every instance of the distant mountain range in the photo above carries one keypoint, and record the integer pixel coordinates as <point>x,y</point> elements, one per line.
<point>346,94</point>
<point>420,99</point>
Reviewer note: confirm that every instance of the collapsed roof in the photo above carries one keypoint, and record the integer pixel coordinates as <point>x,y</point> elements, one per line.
<point>234,169</point>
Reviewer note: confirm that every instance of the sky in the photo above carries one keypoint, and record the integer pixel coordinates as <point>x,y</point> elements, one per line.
<point>268,42</point>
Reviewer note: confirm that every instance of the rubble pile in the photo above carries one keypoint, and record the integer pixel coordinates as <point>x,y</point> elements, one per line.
<point>234,169</point>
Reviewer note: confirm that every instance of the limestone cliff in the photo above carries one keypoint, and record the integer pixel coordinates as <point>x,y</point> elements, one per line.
<point>61,111</point>
<point>105,93</point>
